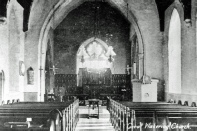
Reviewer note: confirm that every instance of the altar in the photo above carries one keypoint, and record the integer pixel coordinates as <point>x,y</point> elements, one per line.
<point>94,81</point>
<point>94,76</point>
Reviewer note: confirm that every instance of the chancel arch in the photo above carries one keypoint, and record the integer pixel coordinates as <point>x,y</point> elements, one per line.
<point>48,67</point>
<point>61,10</point>
<point>174,53</point>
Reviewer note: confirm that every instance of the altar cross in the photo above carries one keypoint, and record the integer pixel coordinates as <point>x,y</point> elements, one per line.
<point>53,69</point>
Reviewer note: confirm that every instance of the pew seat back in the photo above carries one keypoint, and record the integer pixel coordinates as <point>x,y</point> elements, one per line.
<point>138,116</point>
<point>36,115</point>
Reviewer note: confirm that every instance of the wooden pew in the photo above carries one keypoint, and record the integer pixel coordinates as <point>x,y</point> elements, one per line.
<point>8,101</point>
<point>38,115</point>
<point>135,116</point>
<point>38,112</point>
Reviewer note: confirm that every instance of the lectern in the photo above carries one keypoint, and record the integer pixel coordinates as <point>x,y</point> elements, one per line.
<point>94,103</point>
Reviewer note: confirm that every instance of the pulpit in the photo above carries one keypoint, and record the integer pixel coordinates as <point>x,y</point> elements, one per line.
<point>144,92</point>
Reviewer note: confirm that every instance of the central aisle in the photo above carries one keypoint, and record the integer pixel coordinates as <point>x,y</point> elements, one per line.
<point>94,124</point>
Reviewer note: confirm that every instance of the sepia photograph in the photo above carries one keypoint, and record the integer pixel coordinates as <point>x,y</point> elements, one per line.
<point>98,65</point>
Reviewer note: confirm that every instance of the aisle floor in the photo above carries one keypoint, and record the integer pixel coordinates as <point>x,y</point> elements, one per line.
<point>94,124</point>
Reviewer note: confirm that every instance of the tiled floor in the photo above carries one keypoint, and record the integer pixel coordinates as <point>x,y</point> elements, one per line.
<point>94,124</point>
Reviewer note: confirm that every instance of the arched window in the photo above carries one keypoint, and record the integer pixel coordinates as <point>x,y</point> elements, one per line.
<point>174,52</point>
<point>95,55</point>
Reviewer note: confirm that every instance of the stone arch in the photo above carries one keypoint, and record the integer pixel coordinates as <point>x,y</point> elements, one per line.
<point>174,53</point>
<point>46,50</point>
<point>46,46</point>
<point>48,66</point>
<point>62,8</point>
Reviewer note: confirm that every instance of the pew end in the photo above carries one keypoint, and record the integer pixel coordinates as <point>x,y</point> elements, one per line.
<point>193,104</point>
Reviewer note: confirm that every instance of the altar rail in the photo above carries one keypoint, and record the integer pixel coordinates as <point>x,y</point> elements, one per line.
<point>53,116</point>
<point>135,116</point>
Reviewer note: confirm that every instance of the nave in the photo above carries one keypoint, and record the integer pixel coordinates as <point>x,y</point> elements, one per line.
<point>136,57</point>
<point>116,116</point>
<point>53,116</point>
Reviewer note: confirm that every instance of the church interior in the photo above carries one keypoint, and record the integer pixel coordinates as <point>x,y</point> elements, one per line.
<point>135,60</point>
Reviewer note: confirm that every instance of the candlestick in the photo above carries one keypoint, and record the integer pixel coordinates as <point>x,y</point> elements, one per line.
<point>134,68</point>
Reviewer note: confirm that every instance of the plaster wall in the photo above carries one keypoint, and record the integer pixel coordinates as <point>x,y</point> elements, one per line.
<point>4,57</point>
<point>12,45</point>
<point>39,12</point>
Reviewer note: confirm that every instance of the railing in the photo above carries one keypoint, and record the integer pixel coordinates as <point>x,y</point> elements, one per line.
<point>71,116</point>
<point>119,116</point>
<point>139,116</point>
